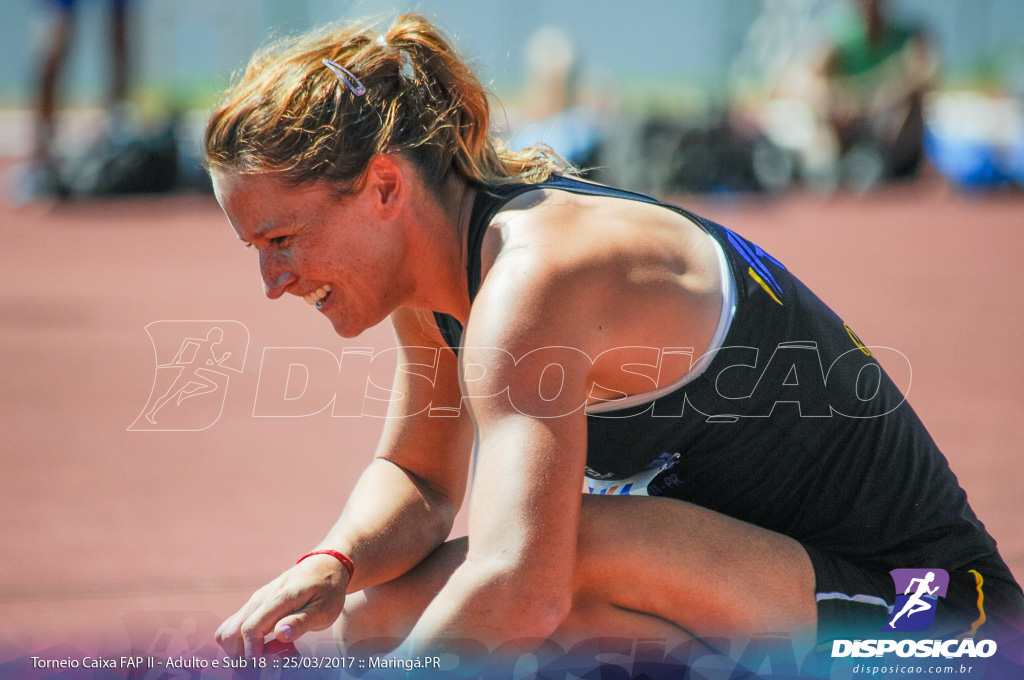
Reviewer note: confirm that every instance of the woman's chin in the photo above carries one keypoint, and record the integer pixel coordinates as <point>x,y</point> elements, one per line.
<point>347,328</point>
<point>347,332</point>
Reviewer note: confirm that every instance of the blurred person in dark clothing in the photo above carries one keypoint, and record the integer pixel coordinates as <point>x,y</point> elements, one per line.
<point>43,177</point>
<point>877,71</point>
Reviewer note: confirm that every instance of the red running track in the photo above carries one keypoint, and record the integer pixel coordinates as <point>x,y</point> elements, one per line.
<point>110,534</point>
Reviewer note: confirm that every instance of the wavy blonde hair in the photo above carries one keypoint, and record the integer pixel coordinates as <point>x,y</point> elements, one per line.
<point>290,114</point>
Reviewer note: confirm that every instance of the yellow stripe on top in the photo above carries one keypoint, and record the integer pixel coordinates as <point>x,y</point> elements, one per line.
<point>981,609</point>
<point>856,340</point>
<point>753,274</point>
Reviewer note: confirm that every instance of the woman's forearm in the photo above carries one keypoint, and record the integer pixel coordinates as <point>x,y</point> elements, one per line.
<point>391,522</point>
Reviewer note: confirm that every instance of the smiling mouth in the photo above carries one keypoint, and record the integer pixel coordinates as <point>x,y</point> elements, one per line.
<point>318,296</point>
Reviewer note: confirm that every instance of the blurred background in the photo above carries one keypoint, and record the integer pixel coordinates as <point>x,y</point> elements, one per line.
<point>875,148</point>
<point>750,95</point>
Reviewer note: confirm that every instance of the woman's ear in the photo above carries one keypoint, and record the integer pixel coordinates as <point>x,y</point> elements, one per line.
<point>386,180</point>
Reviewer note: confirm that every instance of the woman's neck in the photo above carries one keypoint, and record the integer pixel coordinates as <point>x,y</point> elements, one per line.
<point>441,251</point>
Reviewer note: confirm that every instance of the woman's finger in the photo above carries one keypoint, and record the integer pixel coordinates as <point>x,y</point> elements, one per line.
<point>264,619</point>
<point>318,614</point>
<point>292,627</point>
<point>229,634</point>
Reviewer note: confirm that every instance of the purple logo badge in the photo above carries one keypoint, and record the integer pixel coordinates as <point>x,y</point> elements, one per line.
<point>915,607</point>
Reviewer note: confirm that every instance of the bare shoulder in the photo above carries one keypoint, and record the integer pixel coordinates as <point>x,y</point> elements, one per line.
<point>594,273</point>
<point>535,271</point>
<point>578,229</point>
<point>597,252</point>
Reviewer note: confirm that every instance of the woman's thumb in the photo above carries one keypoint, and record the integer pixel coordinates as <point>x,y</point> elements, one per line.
<point>291,627</point>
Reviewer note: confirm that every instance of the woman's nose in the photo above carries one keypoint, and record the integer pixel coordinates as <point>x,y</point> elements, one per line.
<point>276,277</point>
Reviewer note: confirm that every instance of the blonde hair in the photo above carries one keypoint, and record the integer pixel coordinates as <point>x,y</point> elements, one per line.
<point>290,114</point>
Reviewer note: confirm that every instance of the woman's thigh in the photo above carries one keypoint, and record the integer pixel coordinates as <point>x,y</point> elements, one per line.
<point>645,567</point>
<point>707,573</point>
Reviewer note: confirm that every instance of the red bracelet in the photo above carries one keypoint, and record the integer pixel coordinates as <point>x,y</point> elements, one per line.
<point>344,559</point>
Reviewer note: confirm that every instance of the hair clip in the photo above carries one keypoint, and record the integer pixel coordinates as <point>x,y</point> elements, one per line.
<point>406,70</point>
<point>345,76</point>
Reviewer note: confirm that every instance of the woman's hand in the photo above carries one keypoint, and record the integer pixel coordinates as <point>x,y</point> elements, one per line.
<point>309,596</point>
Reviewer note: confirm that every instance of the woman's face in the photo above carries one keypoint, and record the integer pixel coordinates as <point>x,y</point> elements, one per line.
<point>311,243</point>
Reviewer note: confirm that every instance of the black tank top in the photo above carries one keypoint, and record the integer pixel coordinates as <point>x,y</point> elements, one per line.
<point>793,426</point>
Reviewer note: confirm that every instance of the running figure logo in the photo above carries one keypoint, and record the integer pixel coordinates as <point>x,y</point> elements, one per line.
<point>193,359</point>
<point>915,608</point>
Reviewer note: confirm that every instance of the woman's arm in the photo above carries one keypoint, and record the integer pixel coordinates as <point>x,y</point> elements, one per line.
<point>404,504</point>
<point>516,581</point>
<point>400,510</point>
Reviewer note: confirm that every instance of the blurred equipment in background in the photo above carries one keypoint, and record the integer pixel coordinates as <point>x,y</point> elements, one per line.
<point>759,132</point>
<point>728,154</point>
<point>128,163</point>
<point>839,87</point>
<point>774,84</point>
<point>976,140</point>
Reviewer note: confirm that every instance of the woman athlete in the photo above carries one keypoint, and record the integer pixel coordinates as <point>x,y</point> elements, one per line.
<point>750,468</point>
